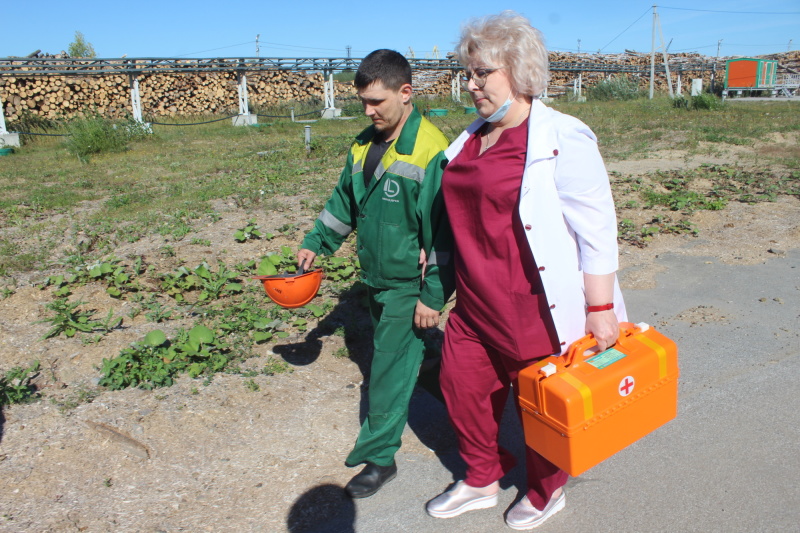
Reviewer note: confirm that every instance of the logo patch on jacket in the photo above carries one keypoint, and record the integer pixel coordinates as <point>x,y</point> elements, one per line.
<point>390,189</point>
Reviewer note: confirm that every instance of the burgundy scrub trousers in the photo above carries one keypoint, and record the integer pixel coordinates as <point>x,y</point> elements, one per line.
<point>501,322</point>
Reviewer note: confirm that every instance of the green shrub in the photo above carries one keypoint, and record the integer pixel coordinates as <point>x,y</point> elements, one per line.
<point>680,102</point>
<point>95,134</point>
<point>622,88</point>
<point>704,101</point>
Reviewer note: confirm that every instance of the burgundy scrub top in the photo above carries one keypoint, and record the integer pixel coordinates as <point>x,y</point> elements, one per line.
<point>498,287</point>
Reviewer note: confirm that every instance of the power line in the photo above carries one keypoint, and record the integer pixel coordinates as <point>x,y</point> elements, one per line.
<point>214,49</point>
<point>694,48</point>
<point>751,44</point>
<point>280,46</point>
<point>726,44</point>
<point>626,29</point>
<point>305,47</point>
<point>733,12</point>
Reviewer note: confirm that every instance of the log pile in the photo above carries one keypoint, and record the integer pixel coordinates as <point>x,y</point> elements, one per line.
<point>561,81</point>
<point>204,93</point>
<point>165,94</point>
<point>216,92</point>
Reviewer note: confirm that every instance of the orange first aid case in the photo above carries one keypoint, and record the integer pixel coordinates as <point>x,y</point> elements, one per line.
<point>581,408</point>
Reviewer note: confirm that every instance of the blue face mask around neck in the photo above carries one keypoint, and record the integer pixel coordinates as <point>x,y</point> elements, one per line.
<point>501,111</point>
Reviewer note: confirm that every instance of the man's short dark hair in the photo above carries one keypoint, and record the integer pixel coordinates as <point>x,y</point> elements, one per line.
<point>386,66</point>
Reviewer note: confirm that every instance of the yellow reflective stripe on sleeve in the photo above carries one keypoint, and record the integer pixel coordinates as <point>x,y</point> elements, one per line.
<point>585,392</point>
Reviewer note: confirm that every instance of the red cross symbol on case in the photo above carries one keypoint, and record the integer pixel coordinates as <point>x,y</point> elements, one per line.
<point>626,386</point>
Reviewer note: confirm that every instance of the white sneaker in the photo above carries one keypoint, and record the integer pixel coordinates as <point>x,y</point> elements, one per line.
<point>460,499</point>
<point>525,516</point>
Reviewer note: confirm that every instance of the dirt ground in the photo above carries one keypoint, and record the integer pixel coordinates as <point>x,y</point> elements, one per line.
<point>223,457</point>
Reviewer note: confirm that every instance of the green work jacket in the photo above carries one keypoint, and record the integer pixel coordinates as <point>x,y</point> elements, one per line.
<point>400,212</point>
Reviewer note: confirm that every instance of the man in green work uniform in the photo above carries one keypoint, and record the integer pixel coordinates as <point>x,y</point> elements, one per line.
<point>390,191</point>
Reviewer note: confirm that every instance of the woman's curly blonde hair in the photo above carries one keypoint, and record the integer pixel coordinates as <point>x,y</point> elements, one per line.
<point>507,40</point>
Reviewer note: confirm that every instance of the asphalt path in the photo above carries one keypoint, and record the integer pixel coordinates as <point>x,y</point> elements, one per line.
<point>729,462</point>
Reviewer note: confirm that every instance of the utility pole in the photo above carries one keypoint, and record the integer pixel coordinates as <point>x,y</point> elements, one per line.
<point>257,48</point>
<point>653,55</point>
<point>657,25</point>
<point>789,46</point>
<point>579,46</point>
<point>666,59</point>
<point>714,67</point>
<point>348,47</point>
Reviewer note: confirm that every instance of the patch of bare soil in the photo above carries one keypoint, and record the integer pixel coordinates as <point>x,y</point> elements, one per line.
<point>221,455</point>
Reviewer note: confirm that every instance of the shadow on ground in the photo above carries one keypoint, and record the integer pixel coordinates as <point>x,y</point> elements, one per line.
<point>324,508</point>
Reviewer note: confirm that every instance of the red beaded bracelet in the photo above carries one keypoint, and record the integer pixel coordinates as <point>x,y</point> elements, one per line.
<point>596,308</point>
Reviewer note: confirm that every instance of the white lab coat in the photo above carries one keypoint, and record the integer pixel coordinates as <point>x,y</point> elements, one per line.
<point>567,211</point>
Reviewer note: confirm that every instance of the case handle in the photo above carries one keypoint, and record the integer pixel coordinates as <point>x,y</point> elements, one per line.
<point>582,345</point>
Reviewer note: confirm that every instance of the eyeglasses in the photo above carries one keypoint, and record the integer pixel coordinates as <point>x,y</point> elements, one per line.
<point>478,75</point>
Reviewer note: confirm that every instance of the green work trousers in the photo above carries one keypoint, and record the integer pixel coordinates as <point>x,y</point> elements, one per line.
<point>398,352</point>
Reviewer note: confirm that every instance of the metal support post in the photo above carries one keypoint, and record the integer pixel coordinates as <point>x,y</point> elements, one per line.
<point>244,118</point>
<point>244,103</point>
<point>455,87</point>
<point>577,88</point>
<point>136,104</point>
<point>544,98</point>
<point>3,130</point>
<point>136,100</point>
<point>329,88</point>
<point>6,139</point>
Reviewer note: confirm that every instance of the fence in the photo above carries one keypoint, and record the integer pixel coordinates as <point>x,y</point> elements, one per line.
<point>53,88</point>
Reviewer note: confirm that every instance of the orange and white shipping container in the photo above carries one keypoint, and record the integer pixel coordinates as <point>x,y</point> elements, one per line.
<point>751,73</point>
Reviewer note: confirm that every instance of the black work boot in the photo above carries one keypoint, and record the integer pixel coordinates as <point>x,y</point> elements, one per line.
<point>370,480</point>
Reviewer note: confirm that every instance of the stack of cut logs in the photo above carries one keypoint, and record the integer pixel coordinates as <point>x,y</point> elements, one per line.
<point>208,93</point>
<point>165,94</point>
<point>438,83</point>
<point>205,93</point>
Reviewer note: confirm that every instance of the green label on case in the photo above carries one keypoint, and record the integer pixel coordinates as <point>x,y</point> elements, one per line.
<point>604,359</point>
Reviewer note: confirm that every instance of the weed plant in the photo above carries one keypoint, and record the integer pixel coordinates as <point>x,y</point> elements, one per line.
<point>15,385</point>
<point>95,134</point>
<point>616,88</point>
<point>69,319</point>
<point>31,123</point>
<point>704,101</point>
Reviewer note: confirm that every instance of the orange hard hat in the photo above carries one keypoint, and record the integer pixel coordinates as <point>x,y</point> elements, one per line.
<point>292,290</point>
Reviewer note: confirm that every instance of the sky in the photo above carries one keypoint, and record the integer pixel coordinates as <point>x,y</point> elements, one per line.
<point>312,28</point>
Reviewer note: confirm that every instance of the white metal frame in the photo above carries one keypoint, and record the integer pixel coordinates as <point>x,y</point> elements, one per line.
<point>244,103</point>
<point>3,130</point>
<point>136,100</point>
<point>328,89</point>
<point>455,87</point>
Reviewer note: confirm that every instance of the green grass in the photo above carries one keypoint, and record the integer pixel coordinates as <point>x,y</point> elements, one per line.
<point>63,212</point>
<point>165,184</point>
